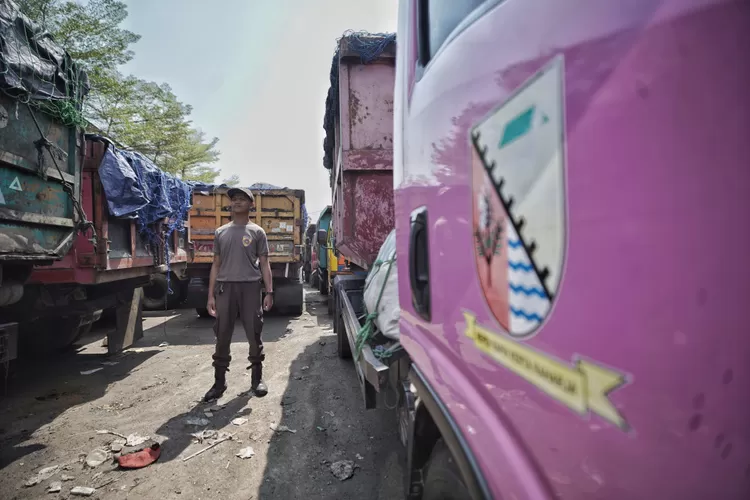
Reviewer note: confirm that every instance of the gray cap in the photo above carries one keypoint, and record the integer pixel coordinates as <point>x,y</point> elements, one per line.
<point>245,191</point>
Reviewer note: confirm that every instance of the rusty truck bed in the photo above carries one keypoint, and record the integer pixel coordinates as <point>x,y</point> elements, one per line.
<point>36,215</point>
<point>362,153</point>
<point>122,251</point>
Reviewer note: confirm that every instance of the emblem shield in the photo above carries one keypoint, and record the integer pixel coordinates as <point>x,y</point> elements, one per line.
<point>518,171</point>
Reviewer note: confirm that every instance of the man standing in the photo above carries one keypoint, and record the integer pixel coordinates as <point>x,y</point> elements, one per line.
<point>234,289</point>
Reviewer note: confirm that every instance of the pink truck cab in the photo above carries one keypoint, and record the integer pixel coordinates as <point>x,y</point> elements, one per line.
<point>571,209</point>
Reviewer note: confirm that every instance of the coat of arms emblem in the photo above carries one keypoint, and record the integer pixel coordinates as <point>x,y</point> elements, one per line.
<point>518,169</point>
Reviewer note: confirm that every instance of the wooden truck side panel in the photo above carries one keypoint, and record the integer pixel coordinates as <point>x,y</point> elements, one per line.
<point>278,212</point>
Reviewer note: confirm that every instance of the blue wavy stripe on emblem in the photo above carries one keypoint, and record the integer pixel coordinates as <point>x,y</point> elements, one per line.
<point>514,244</point>
<point>528,291</point>
<point>520,266</point>
<point>523,314</point>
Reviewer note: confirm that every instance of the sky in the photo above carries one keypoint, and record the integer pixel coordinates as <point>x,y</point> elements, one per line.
<point>256,74</point>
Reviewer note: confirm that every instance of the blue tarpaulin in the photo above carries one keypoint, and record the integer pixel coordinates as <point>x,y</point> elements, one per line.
<point>136,188</point>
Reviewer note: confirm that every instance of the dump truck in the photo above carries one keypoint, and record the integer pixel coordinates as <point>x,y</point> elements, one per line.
<point>279,211</point>
<point>358,154</point>
<point>320,279</point>
<point>307,254</point>
<point>40,160</point>
<point>64,298</point>
<point>37,203</point>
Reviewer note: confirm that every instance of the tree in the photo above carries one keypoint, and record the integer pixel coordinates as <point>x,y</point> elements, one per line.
<point>488,235</point>
<point>155,120</point>
<point>191,156</point>
<point>89,31</point>
<point>110,108</point>
<point>141,115</point>
<point>232,181</point>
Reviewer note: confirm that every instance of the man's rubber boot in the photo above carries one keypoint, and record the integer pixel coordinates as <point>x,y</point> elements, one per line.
<point>257,385</point>
<point>220,386</point>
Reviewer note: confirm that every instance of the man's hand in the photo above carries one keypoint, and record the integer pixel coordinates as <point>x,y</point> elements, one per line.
<point>211,306</point>
<point>265,269</point>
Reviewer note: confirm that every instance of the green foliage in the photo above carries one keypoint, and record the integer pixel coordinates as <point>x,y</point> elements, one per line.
<point>141,115</point>
<point>191,157</point>
<point>89,31</point>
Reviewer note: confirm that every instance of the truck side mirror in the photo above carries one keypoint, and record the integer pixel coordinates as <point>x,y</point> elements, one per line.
<point>322,237</point>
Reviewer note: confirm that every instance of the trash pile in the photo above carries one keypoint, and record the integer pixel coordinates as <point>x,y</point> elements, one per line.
<point>122,453</point>
<point>117,453</point>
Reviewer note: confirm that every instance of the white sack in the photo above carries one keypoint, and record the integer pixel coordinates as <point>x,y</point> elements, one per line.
<point>388,311</point>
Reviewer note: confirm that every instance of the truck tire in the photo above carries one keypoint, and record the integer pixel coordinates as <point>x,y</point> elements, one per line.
<point>297,300</point>
<point>48,336</point>
<point>203,312</point>
<point>342,342</point>
<point>305,274</point>
<point>323,285</point>
<point>443,480</point>
<point>335,313</point>
<point>289,298</point>
<point>156,297</point>
<point>183,290</point>
<point>297,310</point>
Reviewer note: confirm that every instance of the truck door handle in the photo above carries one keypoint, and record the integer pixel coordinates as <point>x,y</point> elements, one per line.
<point>419,263</point>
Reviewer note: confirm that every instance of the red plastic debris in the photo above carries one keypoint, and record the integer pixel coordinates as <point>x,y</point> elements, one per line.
<point>140,459</point>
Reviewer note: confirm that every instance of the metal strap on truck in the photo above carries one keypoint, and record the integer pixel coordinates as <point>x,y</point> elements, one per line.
<point>82,224</point>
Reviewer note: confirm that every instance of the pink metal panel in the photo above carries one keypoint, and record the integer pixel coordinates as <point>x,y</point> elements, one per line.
<point>370,106</point>
<point>373,159</point>
<point>363,215</point>
<point>363,163</point>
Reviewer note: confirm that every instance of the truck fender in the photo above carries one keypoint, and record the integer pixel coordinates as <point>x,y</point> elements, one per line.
<point>430,423</point>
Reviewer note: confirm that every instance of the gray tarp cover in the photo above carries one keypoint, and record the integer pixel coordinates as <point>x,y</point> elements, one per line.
<point>32,64</point>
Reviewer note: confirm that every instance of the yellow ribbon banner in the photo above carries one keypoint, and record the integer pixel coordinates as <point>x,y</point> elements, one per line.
<point>584,387</point>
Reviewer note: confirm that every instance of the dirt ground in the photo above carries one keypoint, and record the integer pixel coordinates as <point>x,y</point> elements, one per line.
<point>51,414</point>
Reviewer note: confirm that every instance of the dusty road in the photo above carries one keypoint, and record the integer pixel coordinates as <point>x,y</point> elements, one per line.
<point>52,412</point>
